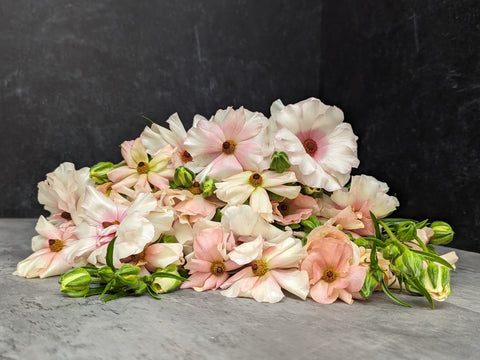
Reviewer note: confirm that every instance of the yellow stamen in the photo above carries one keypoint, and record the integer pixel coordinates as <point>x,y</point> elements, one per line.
<point>195,188</point>
<point>255,179</point>
<point>228,147</point>
<point>106,224</point>
<point>259,267</point>
<point>186,157</point>
<point>55,245</point>
<point>217,268</point>
<point>329,275</point>
<point>142,168</point>
<point>310,146</point>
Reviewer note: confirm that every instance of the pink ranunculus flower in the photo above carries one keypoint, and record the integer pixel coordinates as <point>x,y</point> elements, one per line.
<point>194,208</point>
<point>271,267</point>
<point>333,266</point>
<point>209,265</point>
<point>351,208</point>
<point>139,171</point>
<point>231,142</point>
<point>156,137</point>
<point>292,211</point>
<point>62,193</point>
<point>49,248</point>
<point>237,189</point>
<point>320,146</point>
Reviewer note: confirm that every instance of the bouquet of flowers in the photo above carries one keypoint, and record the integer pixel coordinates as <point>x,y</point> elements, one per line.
<point>240,203</point>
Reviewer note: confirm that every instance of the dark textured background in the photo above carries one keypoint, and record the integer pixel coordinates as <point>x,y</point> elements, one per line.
<point>76,77</point>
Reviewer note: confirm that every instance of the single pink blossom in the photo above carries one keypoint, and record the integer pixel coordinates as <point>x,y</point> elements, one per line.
<point>292,211</point>
<point>210,264</point>
<point>157,256</point>
<point>231,142</point>
<point>333,266</point>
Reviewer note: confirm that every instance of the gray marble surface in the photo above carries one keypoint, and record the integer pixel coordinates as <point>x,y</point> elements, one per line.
<point>38,322</point>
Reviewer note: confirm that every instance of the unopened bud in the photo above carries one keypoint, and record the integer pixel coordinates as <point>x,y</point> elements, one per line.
<point>98,172</point>
<point>413,263</point>
<point>128,275</point>
<point>391,252</point>
<point>208,187</point>
<point>311,191</point>
<point>161,284</point>
<point>279,162</point>
<point>436,280</point>
<point>407,231</point>
<point>368,286</point>
<point>106,273</point>
<point>183,177</point>
<point>442,233</point>
<point>75,282</point>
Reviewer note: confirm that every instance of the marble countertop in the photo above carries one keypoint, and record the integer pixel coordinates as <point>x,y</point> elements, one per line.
<point>39,322</point>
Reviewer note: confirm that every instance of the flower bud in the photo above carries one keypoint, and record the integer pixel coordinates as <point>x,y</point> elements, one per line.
<point>141,288</point>
<point>106,273</point>
<point>442,233</point>
<point>311,191</point>
<point>368,286</point>
<point>183,177</point>
<point>75,282</point>
<point>407,231</point>
<point>413,263</point>
<point>279,162</point>
<point>436,279</point>
<point>208,187</point>
<point>128,275</point>
<point>362,242</point>
<point>98,172</point>
<point>162,285</point>
<point>391,252</point>
<point>168,239</point>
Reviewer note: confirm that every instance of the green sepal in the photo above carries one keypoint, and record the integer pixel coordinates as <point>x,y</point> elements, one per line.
<point>109,257</point>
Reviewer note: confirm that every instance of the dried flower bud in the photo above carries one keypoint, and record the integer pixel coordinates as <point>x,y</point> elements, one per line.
<point>442,233</point>
<point>75,282</point>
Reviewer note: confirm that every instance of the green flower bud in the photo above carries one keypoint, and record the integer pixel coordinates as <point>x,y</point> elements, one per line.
<point>128,275</point>
<point>208,187</point>
<point>368,286</point>
<point>391,252</point>
<point>106,273</point>
<point>183,177</point>
<point>141,288</point>
<point>162,285</point>
<point>407,231</point>
<point>279,162</point>
<point>311,191</point>
<point>412,288</point>
<point>361,242</point>
<point>168,239</point>
<point>443,233</point>
<point>413,263</point>
<point>436,279</point>
<point>98,172</point>
<point>75,282</point>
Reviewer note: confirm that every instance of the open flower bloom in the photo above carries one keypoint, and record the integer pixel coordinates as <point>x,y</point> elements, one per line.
<point>194,207</point>
<point>351,208</point>
<point>231,142</point>
<point>237,189</point>
<point>141,172</point>
<point>156,137</point>
<point>271,268</point>
<point>62,192</point>
<point>49,246</point>
<point>333,266</point>
<point>292,211</point>
<point>210,264</point>
<point>320,146</point>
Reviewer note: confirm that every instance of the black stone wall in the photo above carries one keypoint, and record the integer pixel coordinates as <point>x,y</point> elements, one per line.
<point>77,76</point>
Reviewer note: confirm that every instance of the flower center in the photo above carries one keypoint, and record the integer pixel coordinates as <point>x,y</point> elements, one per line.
<point>106,224</point>
<point>217,268</point>
<point>55,245</point>
<point>228,147</point>
<point>186,157</point>
<point>283,208</point>
<point>66,215</point>
<point>138,258</point>
<point>195,188</point>
<point>142,168</point>
<point>259,267</point>
<point>329,275</point>
<point>255,179</point>
<point>310,146</point>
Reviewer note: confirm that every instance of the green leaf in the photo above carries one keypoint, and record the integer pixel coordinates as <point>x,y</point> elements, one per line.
<point>118,295</point>
<point>387,291</point>
<point>152,294</point>
<point>422,290</point>
<point>378,233</point>
<point>433,257</point>
<point>109,257</point>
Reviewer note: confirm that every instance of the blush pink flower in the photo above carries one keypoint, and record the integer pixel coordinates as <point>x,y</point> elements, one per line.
<point>237,189</point>
<point>140,171</point>
<point>292,211</point>
<point>194,208</point>
<point>157,256</point>
<point>270,268</point>
<point>320,146</point>
<point>49,247</point>
<point>351,208</point>
<point>210,264</point>
<point>333,266</point>
<point>231,142</point>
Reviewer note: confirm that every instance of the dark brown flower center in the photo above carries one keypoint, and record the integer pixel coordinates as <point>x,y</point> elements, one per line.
<point>186,157</point>
<point>310,146</point>
<point>228,147</point>
<point>142,168</point>
<point>329,275</point>
<point>106,224</point>
<point>195,188</point>
<point>217,268</point>
<point>66,215</point>
<point>55,245</point>
<point>283,208</point>
<point>255,179</point>
<point>259,267</point>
